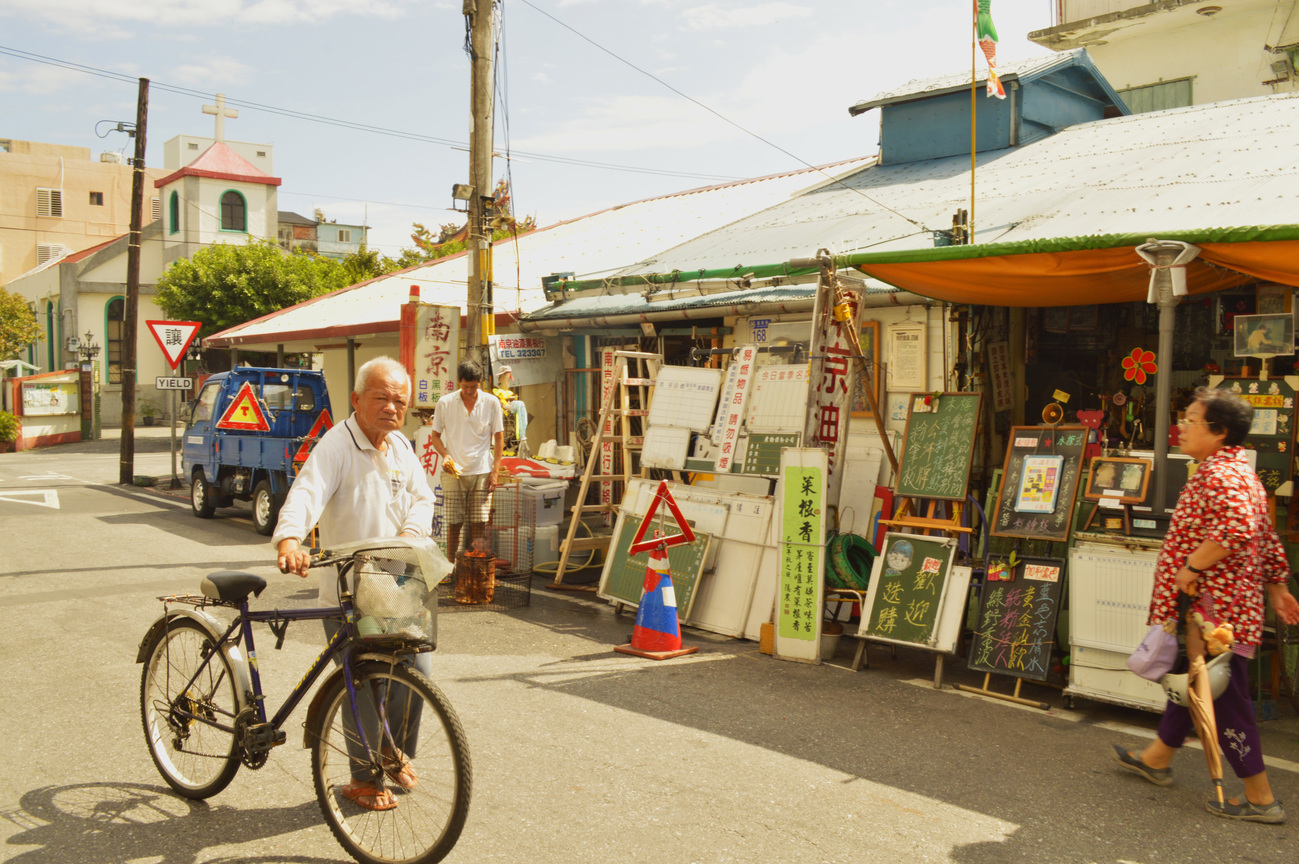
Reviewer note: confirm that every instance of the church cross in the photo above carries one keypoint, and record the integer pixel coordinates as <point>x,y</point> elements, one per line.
<point>221,112</point>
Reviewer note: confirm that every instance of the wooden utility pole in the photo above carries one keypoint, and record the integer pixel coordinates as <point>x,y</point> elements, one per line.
<point>126,472</point>
<point>479,308</point>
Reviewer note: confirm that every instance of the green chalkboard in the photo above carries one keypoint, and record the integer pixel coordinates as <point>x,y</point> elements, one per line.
<point>1033,502</point>
<point>763,453</point>
<point>938,445</point>
<point>1272,435</point>
<point>908,584</point>
<point>1018,605</point>
<point>624,575</point>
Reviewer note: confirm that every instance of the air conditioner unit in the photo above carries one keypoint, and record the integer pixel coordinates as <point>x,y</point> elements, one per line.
<point>111,157</point>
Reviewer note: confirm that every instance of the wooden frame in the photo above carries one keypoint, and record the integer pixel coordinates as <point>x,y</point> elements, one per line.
<point>1118,478</point>
<point>870,349</point>
<point>1264,335</point>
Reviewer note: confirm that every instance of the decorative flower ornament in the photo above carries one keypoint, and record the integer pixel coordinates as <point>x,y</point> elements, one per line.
<point>1139,364</point>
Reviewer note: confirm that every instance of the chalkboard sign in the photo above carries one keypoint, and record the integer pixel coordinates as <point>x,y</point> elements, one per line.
<point>1018,605</point>
<point>763,453</point>
<point>908,584</point>
<point>1272,434</point>
<point>626,573</point>
<point>1039,482</point>
<point>938,445</point>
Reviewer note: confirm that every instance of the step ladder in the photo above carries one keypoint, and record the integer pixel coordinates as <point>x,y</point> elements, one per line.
<point>633,375</point>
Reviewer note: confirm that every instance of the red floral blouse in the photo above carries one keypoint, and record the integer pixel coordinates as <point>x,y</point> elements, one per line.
<point>1223,502</point>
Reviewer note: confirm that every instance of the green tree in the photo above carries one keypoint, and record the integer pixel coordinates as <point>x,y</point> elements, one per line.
<point>18,327</point>
<point>227,284</point>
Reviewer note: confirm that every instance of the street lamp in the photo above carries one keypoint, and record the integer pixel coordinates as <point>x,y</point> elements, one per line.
<point>87,351</point>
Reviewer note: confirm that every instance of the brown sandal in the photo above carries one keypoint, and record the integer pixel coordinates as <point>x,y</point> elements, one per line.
<point>368,796</point>
<point>399,770</point>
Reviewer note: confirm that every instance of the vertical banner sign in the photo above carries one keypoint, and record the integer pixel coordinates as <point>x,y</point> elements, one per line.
<point>999,368</point>
<point>732,406</point>
<point>831,388</point>
<point>801,494</point>
<point>432,463</point>
<point>437,344</point>
<point>606,447</point>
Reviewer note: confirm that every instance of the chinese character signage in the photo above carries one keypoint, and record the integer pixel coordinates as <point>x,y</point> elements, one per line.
<point>801,492</point>
<point>532,359</point>
<point>1018,606</point>
<point>907,588</point>
<point>830,397</point>
<point>606,446</point>
<point>731,408</point>
<point>999,369</point>
<point>1272,434</point>
<point>437,352</point>
<point>432,462</point>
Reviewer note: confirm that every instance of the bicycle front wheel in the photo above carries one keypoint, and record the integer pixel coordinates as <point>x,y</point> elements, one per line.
<point>189,720</point>
<point>413,771</point>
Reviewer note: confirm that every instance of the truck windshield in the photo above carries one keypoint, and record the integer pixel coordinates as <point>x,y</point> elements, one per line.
<point>203,404</point>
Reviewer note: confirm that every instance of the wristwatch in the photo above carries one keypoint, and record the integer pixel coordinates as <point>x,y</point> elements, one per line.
<point>1196,570</point>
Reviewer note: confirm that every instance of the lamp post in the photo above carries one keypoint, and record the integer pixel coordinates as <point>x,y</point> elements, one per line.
<point>87,351</point>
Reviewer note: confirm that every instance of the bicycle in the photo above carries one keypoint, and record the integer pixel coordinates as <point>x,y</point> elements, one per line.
<point>204,714</point>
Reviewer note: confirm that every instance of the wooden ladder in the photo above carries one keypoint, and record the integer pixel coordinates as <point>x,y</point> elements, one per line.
<point>616,404</point>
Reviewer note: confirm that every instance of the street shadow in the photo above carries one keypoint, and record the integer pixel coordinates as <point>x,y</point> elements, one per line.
<point>107,823</point>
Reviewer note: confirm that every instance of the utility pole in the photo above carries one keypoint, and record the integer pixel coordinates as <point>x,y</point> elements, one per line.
<point>126,472</point>
<point>479,309</point>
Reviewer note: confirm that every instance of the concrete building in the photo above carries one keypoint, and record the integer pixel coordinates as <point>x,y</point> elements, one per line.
<point>1175,53</point>
<point>56,199</point>
<point>297,233</point>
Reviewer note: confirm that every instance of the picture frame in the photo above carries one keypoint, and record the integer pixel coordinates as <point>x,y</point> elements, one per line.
<point>870,349</point>
<point>1264,335</point>
<point>1118,478</point>
<point>1040,484</point>
<point>908,355</point>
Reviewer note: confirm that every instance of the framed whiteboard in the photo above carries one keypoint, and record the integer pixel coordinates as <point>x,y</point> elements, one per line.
<point>685,396</point>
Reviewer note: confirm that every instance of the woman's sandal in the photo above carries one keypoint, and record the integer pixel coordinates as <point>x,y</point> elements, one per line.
<point>399,770</point>
<point>368,796</point>
<point>1158,776</point>
<point>1248,811</point>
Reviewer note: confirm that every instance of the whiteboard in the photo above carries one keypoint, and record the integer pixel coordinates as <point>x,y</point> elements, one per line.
<point>778,402</point>
<point>685,396</point>
<point>665,447</point>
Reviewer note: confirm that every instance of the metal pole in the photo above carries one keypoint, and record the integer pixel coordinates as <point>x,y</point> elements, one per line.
<point>126,468</point>
<point>175,479</point>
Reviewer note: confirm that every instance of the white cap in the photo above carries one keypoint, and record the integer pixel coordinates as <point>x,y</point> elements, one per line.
<point>503,370</point>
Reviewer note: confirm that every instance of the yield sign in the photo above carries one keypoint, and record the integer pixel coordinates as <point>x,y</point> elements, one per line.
<point>322,425</point>
<point>662,496</point>
<point>173,338</point>
<point>245,413</point>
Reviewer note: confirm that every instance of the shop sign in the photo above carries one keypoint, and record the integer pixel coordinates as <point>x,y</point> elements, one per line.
<point>802,552</point>
<point>726,434</point>
<point>437,344</point>
<point>832,386</point>
<point>999,368</point>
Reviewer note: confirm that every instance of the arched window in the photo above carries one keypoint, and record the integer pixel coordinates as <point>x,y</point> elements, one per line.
<point>174,214</point>
<point>114,316</point>
<point>234,212</point>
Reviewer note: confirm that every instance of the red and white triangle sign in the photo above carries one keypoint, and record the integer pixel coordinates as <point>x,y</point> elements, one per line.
<point>173,337</point>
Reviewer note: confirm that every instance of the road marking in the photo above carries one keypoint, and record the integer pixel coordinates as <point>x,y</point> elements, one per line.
<point>49,498</point>
<point>51,476</point>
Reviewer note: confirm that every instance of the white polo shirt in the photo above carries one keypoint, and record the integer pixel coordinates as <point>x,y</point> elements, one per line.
<point>467,434</point>
<point>354,492</point>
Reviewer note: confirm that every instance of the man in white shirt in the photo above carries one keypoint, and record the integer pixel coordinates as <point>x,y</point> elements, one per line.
<point>469,433</point>
<point>362,481</point>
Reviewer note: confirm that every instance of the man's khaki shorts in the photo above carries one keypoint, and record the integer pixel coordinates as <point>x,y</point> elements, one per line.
<point>466,498</point>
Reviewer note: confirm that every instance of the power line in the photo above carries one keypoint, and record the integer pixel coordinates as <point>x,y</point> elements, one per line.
<point>352,125</point>
<point>718,114</point>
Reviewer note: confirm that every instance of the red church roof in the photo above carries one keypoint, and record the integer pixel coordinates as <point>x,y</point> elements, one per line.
<point>221,163</point>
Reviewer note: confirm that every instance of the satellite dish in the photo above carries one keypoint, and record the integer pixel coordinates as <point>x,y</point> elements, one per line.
<point>1052,414</point>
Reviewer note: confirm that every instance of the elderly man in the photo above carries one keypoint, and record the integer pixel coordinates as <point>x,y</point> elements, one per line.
<point>469,433</point>
<point>361,481</point>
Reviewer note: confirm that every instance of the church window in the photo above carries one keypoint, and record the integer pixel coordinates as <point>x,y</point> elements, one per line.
<point>173,206</point>
<point>234,212</point>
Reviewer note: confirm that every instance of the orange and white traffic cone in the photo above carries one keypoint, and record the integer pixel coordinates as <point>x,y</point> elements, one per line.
<point>657,634</point>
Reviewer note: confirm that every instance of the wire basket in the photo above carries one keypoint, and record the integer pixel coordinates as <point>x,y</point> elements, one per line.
<point>392,597</point>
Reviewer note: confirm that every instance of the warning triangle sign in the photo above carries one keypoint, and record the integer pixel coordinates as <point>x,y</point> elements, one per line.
<point>245,413</point>
<point>173,337</point>
<point>662,496</point>
<point>322,425</point>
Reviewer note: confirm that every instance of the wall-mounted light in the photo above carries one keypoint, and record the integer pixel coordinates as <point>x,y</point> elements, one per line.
<point>461,192</point>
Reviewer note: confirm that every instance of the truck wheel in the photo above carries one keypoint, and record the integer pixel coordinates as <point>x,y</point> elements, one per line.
<point>201,497</point>
<point>266,508</point>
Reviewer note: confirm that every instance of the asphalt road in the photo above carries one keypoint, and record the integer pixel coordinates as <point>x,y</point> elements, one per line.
<point>580,754</point>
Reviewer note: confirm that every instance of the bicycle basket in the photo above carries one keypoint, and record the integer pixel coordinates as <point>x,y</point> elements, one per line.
<point>393,601</point>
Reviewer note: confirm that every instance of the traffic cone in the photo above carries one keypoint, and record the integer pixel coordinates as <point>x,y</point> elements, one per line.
<point>657,634</point>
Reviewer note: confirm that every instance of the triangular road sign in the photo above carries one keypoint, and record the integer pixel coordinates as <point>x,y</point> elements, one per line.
<point>322,425</point>
<point>245,413</point>
<point>173,338</point>
<point>662,496</point>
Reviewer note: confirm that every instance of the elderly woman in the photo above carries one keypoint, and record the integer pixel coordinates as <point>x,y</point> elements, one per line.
<point>1222,548</point>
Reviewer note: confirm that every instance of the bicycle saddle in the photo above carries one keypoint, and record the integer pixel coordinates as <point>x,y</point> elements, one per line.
<point>230,586</point>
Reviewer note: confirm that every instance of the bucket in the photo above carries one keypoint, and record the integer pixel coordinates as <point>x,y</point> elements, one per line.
<point>831,633</point>
<point>475,578</point>
<point>546,549</point>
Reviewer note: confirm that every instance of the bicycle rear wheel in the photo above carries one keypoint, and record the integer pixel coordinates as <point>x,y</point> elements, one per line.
<point>403,713</point>
<point>196,758</point>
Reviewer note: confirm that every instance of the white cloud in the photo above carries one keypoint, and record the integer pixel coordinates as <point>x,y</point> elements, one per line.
<point>211,71</point>
<point>105,17</point>
<point>40,79</point>
<point>712,16</point>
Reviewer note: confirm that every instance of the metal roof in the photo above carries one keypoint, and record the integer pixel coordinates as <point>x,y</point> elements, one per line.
<point>591,246</point>
<point>1225,164</point>
<point>1034,67</point>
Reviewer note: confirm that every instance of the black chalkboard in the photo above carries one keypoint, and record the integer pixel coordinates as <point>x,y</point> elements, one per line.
<point>938,445</point>
<point>1272,435</point>
<point>1019,506</point>
<point>1015,630</point>
<point>908,584</point>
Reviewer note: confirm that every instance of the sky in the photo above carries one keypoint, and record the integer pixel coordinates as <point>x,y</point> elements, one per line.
<point>599,102</point>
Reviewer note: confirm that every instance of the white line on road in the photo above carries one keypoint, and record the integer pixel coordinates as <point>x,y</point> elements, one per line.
<point>48,498</point>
